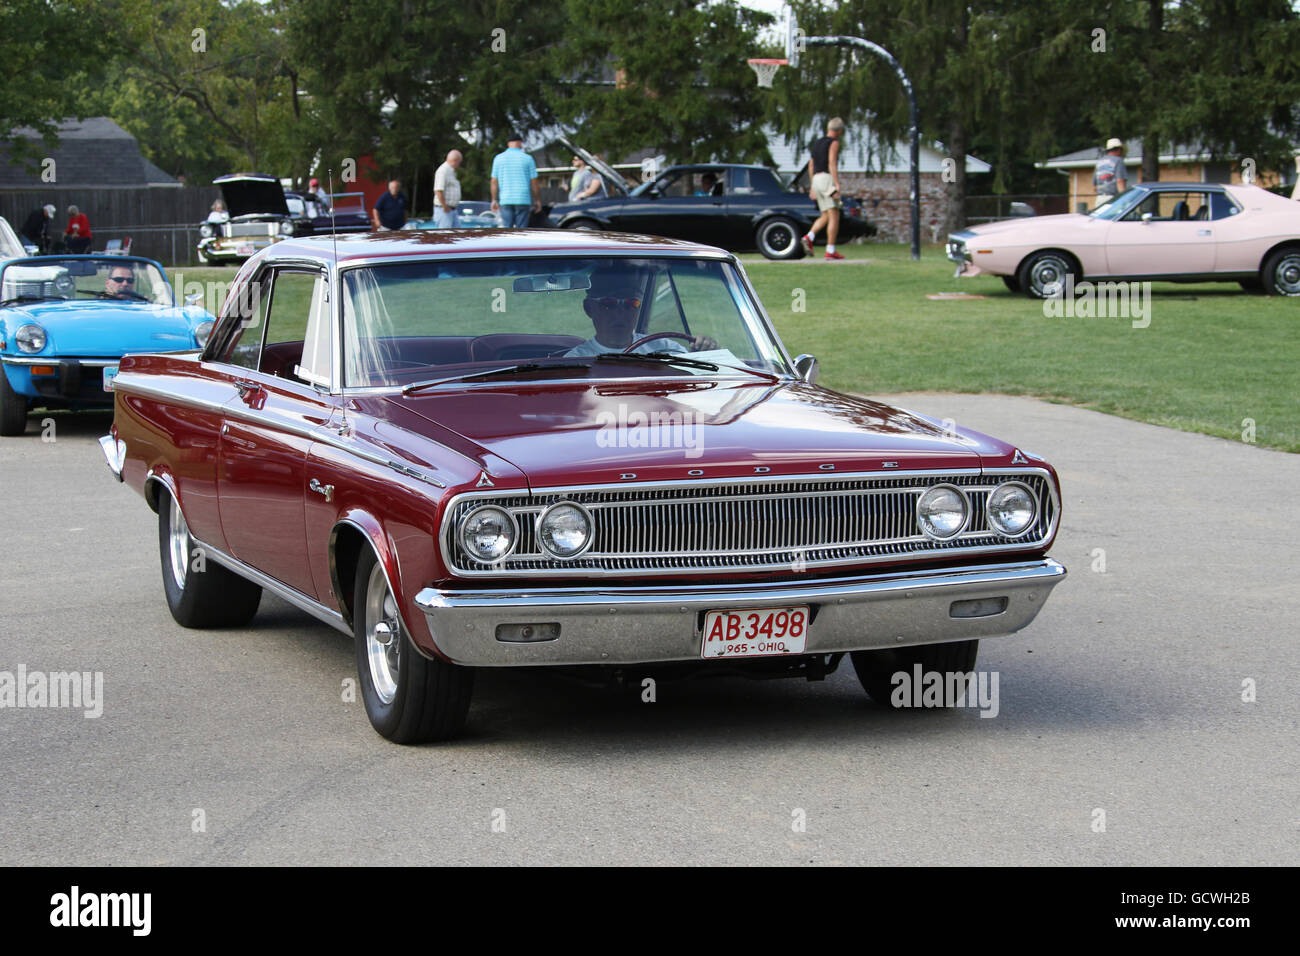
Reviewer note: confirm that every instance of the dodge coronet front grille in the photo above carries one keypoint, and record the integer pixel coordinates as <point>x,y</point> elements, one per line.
<point>789,524</point>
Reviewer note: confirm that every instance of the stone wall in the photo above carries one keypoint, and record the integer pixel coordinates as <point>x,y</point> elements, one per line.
<point>885,203</point>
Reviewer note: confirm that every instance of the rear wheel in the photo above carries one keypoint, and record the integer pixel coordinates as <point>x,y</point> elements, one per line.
<point>1047,274</point>
<point>586,225</point>
<point>876,669</point>
<point>1281,273</point>
<point>200,592</point>
<point>778,238</point>
<point>13,408</point>
<point>409,698</point>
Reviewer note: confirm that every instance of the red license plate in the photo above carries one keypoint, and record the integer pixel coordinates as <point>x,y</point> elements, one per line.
<point>761,632</point>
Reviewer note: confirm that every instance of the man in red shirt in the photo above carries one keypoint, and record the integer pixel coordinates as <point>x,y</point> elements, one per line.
<point>77,235</point>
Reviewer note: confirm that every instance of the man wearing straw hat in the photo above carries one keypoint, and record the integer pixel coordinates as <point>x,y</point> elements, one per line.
<point>1110,177</point>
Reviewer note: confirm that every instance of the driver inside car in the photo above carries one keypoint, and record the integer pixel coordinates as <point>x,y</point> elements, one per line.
<point>613,303</point>
<point>120,283</point>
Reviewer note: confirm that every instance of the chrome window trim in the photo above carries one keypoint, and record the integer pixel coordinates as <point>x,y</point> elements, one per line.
<point>952,549</point>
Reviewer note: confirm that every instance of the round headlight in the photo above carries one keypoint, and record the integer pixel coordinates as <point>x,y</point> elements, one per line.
<point>64,284</point>
<point>205,230</point>
<point>565,530</point>
<point>286,228</point>
<point>202,331</point>
<point>1012,509</point>
<point>942,512</point>
<point>487,534</point>
<point>30,338</point>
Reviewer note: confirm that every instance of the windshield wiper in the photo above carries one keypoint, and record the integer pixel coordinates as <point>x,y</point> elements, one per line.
<point>506,370</point>
<point>677,358</point>
<point>25,298</point>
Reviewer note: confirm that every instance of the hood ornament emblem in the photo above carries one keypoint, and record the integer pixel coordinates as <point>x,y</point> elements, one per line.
<point>1019,459</point>
<point>484,481</point>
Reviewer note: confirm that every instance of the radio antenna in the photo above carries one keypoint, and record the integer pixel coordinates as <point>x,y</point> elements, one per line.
<point>344,427</point>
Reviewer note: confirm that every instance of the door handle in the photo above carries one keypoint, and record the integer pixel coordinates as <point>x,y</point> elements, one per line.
<point>326,490</point>
<point>245,387</point>
<point>1202,232</point>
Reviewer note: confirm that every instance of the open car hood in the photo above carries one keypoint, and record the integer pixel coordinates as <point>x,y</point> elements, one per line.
<point>612,179</point>
<point>249,194</point>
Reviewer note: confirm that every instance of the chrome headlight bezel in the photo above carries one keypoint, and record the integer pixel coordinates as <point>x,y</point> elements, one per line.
<point>1035,509</point>
<point>286,228</point>
<point>541,531</point>
<point>512,531</point>
<point>202,331</point>
<point>926,529</point>
<point>206,230</point>
<point>28,335</point>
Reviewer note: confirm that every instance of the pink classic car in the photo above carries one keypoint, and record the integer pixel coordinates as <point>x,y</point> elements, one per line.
<point>1172,232</point>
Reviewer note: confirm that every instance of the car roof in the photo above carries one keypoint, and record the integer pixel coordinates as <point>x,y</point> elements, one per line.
<point>378,245</point>
<point>715,166</point>
<point>1179,186</point>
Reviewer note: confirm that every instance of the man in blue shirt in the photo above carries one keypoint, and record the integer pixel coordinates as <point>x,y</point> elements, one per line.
<point>390,208</point>
<point>515,192</point>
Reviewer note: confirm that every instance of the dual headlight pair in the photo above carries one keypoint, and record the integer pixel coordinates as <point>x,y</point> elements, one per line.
<point>489,533</point>
<point>944,511</point>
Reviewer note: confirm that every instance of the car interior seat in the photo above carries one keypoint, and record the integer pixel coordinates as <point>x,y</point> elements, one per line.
<point>1180,211</point>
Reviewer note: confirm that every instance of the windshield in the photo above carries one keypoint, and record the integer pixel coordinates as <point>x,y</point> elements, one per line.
<point>1117,207</point>
<point>84,278</point>
<point>408,323</point>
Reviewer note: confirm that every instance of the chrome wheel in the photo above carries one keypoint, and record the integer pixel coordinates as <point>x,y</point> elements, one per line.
<point>383,635</point>
<point>1286,274</point>
<point>779,239</point>
<point>179,543</point>
<point>1047,276</point>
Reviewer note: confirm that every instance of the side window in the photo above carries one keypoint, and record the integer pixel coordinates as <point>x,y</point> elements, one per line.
<point>676,185</point>
<point>1221,207</point>
<point>297,314</point>
<point>244,347</point>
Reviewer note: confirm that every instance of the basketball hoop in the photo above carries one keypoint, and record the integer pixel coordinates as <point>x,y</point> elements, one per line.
<point>765,69</point>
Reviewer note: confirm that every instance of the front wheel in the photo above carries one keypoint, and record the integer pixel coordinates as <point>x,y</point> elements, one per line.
<point>409,698</point>
<point>778,238</point>
<point>1046,275</point>
<point>13,408</point>
<point>1012,283</point>
<point>876,670</point>
<point>1281,272</point>
<point>200,592</point>
<point>584,225</point>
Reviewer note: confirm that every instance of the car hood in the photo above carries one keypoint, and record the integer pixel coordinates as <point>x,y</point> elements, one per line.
<point>97,328</point>
<point>1069,220</point>
<point>249,194</point>
<point>578,433</point>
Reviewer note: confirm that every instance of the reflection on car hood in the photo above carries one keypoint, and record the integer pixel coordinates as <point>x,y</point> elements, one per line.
<point>566,433</point>
<point>102,328</point>
<point>1063,220</point>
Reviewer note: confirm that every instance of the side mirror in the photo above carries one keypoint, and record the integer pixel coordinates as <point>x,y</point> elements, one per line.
<point>1147,216</point>
<point>807,368</point>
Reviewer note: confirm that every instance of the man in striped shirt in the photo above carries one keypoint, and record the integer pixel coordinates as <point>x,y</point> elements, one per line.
<point>515,192</point>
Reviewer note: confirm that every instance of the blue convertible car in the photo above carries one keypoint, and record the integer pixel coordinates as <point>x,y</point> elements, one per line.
<point>65,321</point>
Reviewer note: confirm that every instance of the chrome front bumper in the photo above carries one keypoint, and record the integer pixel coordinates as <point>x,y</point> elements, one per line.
<point>645,624</point>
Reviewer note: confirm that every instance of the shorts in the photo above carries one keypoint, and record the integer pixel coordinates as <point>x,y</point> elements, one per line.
<point>824,192</point>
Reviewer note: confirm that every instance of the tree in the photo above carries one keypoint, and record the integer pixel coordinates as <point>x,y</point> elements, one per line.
<point>43,43</point>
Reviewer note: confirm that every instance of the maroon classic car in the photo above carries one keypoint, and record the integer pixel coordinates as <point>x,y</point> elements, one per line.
<point>514,448</point>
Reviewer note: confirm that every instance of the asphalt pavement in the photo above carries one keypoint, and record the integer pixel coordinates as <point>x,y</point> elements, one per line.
<point>1121,735</point>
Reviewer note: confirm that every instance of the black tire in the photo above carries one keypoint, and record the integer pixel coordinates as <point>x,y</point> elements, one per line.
<point>1281,272</point>
<point>201,593</point>
<point>1044,273</point>
<point>13,408</point>
<point>779,238</point>
<point>875,669</point>
<point>1012,283</point>
<point>586,225</point>
<point>1253,286</point>
<point>409,698</point>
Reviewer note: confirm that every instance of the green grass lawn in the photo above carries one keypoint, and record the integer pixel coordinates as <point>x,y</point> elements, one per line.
<point>1211,356</point>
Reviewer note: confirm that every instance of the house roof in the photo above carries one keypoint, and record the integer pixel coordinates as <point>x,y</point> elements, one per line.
<point>91,153</point>
<point>863,152</point>
<point>1087,158</point>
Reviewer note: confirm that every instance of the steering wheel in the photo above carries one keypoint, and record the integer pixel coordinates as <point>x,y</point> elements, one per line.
<point>661,335</point>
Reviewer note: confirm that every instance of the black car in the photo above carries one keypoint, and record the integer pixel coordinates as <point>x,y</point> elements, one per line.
<point>261,212</point>
<point>734,206</point>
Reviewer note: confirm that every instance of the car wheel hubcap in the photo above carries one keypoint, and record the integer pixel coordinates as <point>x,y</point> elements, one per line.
<point>1048,276</point>
<point>1287,275</point>
<point>780,239</point>
<point>179,541</point>
<point>383,636</point>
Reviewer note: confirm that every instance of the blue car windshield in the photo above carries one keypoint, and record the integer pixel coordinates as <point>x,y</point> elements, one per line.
<point>84,278</point>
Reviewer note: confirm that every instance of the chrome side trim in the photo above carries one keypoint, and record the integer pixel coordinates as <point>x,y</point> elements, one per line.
<point>114,450</point>
<point>280,590</point>
<point>57,360</point>
<point>130,383</point>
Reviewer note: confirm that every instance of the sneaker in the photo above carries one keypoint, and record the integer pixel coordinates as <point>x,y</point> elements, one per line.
<point>807,244</point>
<point>834,255</point>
